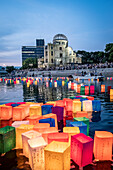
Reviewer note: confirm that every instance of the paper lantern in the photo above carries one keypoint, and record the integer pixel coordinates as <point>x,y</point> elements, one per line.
<point>78,88</point>
<point>69,85</point>
<point>19,113</point>
<point>96,105</point>
<point>86,90</point>
<point>36,153</point>
<point>59,112</point>
<point>51,102</point>
<point>85,120</point>
<point>27,136</point>
<point>109,87</point>
<point>90,97</point>
<point>53,116</point>
<point>19,130</point>
<point>41,127</point>
<point>103,145</point>
<point>4,123</point>
<point>111,92</point>
<point>5,112</point>
<point>82,90</point>
<point>18,123</point>
<point>76,106</point>
<point>72,86</point>
<point>69,105</point>
<point>34,119</point>
<point>26,106</point>
<point>102,88</point>
<point>76,100</point>
<point>35,110</point>
<point>7,139</point>
<point>81,149</point>
<point>55,83</point>
<point>92,89</point>
<point>57,156</point>
<point>111,98</point>
<point>82,126</point>
<point>21,102</point>
<point>81,114</point>
<point>46,109</point>
<point>87,105</point>
<point>51,121</point>
<point>9,104</point>
<point>61,137</point>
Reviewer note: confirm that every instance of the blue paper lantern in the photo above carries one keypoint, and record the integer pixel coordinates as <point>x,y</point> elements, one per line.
<point>46,109</point>
<point>96,105</point>
<point>51,121</point>
<point>82,126</point>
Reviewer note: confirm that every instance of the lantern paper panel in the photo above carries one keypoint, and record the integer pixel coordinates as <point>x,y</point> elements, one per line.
<point>52,102</point>
<point>81,149</point>
<point>48,131</point>
<point>26,106</point>
<point>103,145</point>
<point>5,112</point>
<point>96,105</point>
<point>57,156</point>
<point>41,127</point>
<point>34,119</point>
<point>18,113</point>
<point>102,88</point>
<point>111,92</point>
<point>85,120</point>
<point>53,116</point>
<point>18,123</point>
<point>51,121</point>
<point>35,110</point>
<point>61,137</point>
<point>59,111</point>
<point>76,106</point>
<point>81,114</point>
<point>4,123</point>
<point>87,105</point>
<point>27,136</point>
<point>69,105</point>
<point>7,139</point>
<point>36,153</point>
<point>90,97</point>
<point>82,126</point>
<point>46,109</point>
<point>19,130</point>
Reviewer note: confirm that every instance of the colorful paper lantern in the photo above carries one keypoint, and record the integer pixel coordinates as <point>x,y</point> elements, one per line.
<point>96,105</point>
<point>26,106</point>
<point>78,88</point>
<point>87,105</point>
<point>4,123</point>
<point>36,153</point>
<point>81,114</point>
<point>82,126</point>
<point>103,145</point>
<point>57,156</point>
<point>59,112</point>
<point>111,92</point>
<point>61,137</point>
<point>19,113</point>
<point>76,106</point>
<point>35,110</point>
<point>7,139</point>
<point>40,127</point>
<point>51,121</point>
<point>85,120</point>
<point>109,87</point>
<point>86,90</point>
<point>102,88</point>
<point>90,97</point>
<point>82,90</point>
<point>27,136</point>
<point>53,116</point>
<point>5,112</point>
<point>34,119</point>
<point>46,109</point>
<point>19,130</point>
<point>18,123</point>
<point>92,89</point>
<point>81,149</point>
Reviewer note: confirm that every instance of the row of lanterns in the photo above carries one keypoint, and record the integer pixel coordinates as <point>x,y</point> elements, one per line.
<point>38,133</point>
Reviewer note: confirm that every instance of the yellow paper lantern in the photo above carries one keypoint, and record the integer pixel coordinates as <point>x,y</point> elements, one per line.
<point>111,92</point>
<point>27,136</point>
<point>36,153</point>
<point>57,156</point>
<point>35,110</point>
<point>76,106</point>
<point>103,145</point>
<point>87,105</point>
<point>19,130</point>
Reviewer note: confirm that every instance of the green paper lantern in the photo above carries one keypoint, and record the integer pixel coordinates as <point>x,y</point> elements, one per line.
<point>85,120</point>
<point>7,139</point>
<point>82,90</point>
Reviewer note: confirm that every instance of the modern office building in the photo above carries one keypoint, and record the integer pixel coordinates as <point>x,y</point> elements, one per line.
<point>36,52</point>
<point>57,53</point>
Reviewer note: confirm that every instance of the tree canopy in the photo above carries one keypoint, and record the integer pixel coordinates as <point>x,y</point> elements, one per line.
<point>30,63</point>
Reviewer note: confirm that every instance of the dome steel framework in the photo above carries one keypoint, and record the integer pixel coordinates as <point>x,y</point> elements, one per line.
<point>59,37</point>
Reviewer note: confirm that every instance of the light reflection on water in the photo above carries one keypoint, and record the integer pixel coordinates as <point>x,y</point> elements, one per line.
<point>42,93</point>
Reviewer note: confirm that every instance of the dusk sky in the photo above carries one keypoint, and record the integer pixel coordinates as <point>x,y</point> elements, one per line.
<point>88,25</point>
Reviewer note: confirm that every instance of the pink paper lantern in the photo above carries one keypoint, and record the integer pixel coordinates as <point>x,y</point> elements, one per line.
<point>81,149</point>
<point>61,137</point>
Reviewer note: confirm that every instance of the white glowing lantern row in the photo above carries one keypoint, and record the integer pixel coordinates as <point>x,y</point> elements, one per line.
<point>27,136</point>
<point>36,153</point>
<point>87,105</point>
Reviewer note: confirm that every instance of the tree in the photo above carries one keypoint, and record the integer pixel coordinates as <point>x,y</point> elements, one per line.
<point>30,62</point>
<point>9,69</point>
<point>109,52</point>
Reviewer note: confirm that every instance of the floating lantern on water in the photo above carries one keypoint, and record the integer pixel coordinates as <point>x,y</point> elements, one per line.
<point>19,130</point>
<point>109,87</point>
<point>9,104</point>
<point>55,83</point>
<point>61,137</point>
<point>82,126</point>
<point>53,116</point>
<point>90,98</point>
<point>82,90</point>
<point>81,149</point>
<point>35,110</point>
<point>92,89</point>
<point>26,106</point>
<point>81,114</point>
<point>51,121</point>
<point>103,145</point>
<point>96,105</point>
<point>18,123</point>
<point>51,102</point>
<point>25,137</point>
<point>36,153</point>
<point>40,127</point>
<point>19,113</point>
<point>86,90</point>
<point>111,92</point>
<point>7,139</point>
<point>57,156</point>
<point>87,105</point>
<point>102,88</point>
<point>85,120</point>
<point>76,106</point>
<point>78,88</point>
<point>46,109</point>
<point>5,112</point>
<point>34,119</point>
